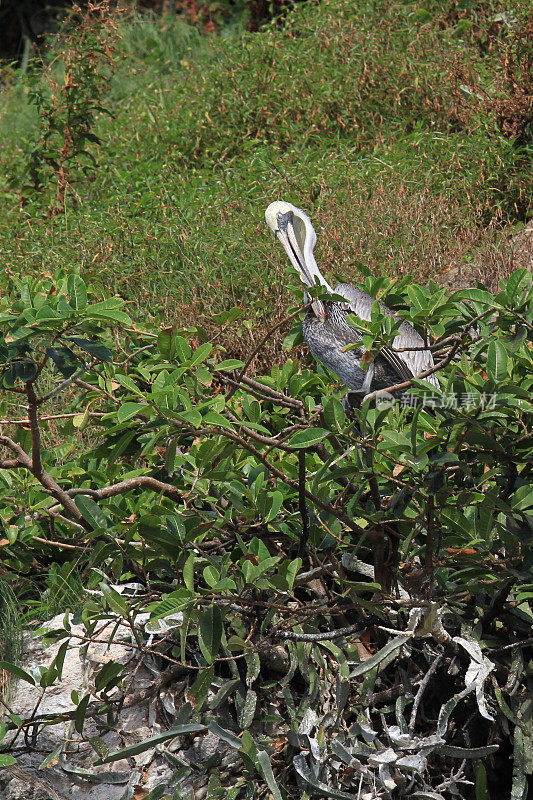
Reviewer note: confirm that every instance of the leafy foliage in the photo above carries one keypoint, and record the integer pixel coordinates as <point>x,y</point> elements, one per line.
<point>246,509</point>
<point>68,104</point>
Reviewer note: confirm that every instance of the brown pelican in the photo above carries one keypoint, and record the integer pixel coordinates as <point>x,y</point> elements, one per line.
<point>325,326</point>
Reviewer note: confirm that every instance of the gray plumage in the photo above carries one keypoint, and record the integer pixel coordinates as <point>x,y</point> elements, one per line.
<point>328,337</point>
<point>325,326</point>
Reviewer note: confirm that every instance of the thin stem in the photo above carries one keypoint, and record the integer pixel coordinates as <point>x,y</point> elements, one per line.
<point>301,502</point>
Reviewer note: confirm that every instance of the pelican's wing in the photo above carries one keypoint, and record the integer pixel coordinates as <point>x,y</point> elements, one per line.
<point>409,363</point>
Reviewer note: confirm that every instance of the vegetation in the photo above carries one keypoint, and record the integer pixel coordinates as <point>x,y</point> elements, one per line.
<point>232,499</point>
<point>323,572</point>
<point>402,160</point>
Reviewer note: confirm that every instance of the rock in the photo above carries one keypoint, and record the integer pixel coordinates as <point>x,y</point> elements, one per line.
<point>72,775</point>
<point>275,658</point>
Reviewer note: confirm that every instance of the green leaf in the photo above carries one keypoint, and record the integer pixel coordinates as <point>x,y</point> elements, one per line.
<point>309,777</point>
<point>201,686</point>
<point>80,421</point>
<point>213,418</point>
<point>334,414</point>
<point>210,633</point>
<point>265,767</point>
<point>180,349</point>
<point>308,437</point>
<point>293,338</point>
<point>91,512</point>
<point>79,717</point>
<point>6,760</point>
<point>188,571</point>
<point>147,744</point>
<point>115,600</point>
<point>128,383</point>
<point>520,277</point>
<point>77,292</point>
<point>396,439</point>
<point>276,499</point>
<point>25,370</point>
<point>129,410</point>
<point>481,783</point>
<point>246,712</point>
<point>201,354</point>
<point>477,296</point>
<point>65,360</point>
<point>18,671</point>
<point>222,733</point>
<point>230,363</point>
<point>377,658</point>
<point>108,676</point>
<point>193,417</point>
<point>95,349</point>
<point>228,316</point>
<point>236,644</point>
<point>418,297</point>
<point>108,310</point>
<point>497,360</point>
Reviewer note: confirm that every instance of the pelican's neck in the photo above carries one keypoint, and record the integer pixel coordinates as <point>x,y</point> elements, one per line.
<point>307,239</point>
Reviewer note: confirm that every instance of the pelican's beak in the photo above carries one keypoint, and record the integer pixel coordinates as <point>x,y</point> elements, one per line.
<point>288,238</point>
<point>319,309</point>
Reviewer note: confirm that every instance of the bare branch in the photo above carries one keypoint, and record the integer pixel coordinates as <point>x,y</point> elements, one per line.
<point>10,463</point>
<point>33,402</point>
<point>406,384</point>
<point>262,341</point>
<point>43,477</point>
<point>141,482</point>
<point>321,637</point>
<point>421,689</point>
<point>63,385</point>
<point>49,417</point>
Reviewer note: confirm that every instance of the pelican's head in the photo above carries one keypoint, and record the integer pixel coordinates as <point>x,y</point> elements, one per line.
<point>293,228</point>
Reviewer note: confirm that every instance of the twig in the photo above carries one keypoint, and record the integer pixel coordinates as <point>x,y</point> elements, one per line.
<point>10,463</point>
<point>430,534</point>
<point>142,481</point>
<point>406,384</point>
<point>271,392</point>
<point>279,474</point>
<point>95,414</point>
<point>63,385</point>
<point>280,400</point>
<point>421,689</point>
<point>304,513</point>
<point>317,637</point>
<point>61,545</point>
<point>523,643</point>
<point>135,353</point>
<point>262,341</point>
<point>44,478</point>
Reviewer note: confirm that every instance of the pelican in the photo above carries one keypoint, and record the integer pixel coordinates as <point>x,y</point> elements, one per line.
<point>325,326</point>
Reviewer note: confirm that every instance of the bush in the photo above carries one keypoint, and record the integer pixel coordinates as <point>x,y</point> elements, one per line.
<point>249,506</point>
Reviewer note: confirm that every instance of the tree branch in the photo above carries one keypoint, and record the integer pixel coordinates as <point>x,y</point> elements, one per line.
<point>44,478</point>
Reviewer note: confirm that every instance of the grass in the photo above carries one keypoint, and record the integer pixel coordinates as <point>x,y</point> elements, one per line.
<point>350,110</point>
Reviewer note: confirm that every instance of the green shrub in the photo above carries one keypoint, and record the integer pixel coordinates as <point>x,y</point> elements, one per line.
<point>228,496</point>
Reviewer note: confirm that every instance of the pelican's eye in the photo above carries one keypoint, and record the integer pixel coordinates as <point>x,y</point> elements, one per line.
<point>284,220</point>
